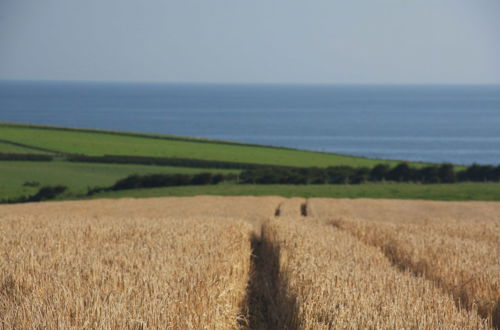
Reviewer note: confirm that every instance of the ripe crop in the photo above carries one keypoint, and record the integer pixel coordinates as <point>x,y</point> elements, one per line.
<point>127,263</point>
<point>327,279</point>
<point>249,262</point>
<point>460,252</point>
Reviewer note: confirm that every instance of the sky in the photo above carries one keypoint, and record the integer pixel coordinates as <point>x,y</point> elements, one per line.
<point>257,41</point>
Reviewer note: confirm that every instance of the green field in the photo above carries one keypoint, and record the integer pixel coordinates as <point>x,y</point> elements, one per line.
<point>8,148</point>
<point>445,192</point>
<point>77,176</point>
<point>97,143</point>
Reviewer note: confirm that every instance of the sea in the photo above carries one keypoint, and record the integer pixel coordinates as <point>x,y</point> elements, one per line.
<point>457,124</point>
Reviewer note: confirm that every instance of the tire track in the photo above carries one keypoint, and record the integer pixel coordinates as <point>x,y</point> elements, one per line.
<point>277,212</point>
<point>303,209</point>
<point>292,208</point>
<point>265,307</point>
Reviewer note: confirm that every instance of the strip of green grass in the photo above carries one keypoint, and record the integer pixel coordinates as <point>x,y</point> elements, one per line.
<point>115,143</point>
<point>7,148</point>
<point>76,176</point>
<point>445,192</point>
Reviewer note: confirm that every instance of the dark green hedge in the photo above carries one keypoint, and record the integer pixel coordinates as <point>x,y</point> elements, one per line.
<point>180,162</point>
<point>163,180</point>
<point>26,157</point>
<point>443,173</point>
<point>45,193</point>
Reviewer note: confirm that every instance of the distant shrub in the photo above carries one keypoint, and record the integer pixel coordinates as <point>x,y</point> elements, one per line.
<point>446,173</point>
<point>217,178</point>
<point>429,174</point>
<point>45,193</point>
<point>316,175</point>
<point>162,180</point>
<point>25,157</point>
<point>201,179</point>
<point>48,192</point>
<point>480,173</point>
<point>274,176</point>
<point>340,174</point>
<point>361,175</point>
<point>162,161</point>
<point>402,172</point>
<point>380,172</point>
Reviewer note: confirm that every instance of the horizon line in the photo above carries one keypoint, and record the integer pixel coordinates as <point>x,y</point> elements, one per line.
<point>130,82</point>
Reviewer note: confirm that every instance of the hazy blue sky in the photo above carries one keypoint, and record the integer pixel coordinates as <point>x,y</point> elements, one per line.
<point>283,41</point>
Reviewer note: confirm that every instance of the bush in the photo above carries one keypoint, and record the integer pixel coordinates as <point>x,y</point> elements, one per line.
<point>446,173</point>
<point>26,157</point>
<point>429,174</point>
<point>47,192</point>
<point>162,161</point>
<point>162,180</point>
<point>201,179</point>
<point>401,173</point>
<point>217,178</point>
<point>480,173</point>
<point>316,176</point>
<point>340,174</point>
<point>380,172</point>
<point>130,182</point>
<point>361,175</point>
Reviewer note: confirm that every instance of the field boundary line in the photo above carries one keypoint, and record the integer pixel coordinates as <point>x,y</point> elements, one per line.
<point>27,146</point>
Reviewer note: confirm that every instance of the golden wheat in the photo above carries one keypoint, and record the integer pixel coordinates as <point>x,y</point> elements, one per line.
<point>185,263</point>
<point>292,207</point>
<point>112,272</point>
<point>478,221</point>
<point>327,279</point>
<point>248,208</point>
<point>461,257</point>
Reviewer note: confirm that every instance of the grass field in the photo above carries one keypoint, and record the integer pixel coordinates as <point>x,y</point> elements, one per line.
<point>447,192</point>
<point>250,263</point>
<point>8,148</point>
<point>77,176</point>
<point>101,143</point>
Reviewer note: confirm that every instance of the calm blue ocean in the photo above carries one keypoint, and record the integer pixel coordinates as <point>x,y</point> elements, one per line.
<point>459,124</point>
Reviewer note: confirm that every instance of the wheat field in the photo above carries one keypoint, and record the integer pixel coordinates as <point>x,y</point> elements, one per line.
<point>249,263</point>
<point>456,245</point>
<point>330,280</point>
<point>124,273</point>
